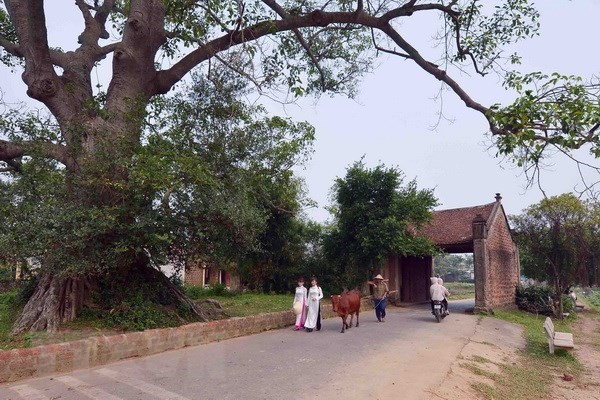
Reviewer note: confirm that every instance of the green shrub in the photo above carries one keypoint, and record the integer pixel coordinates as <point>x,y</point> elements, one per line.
<point>26,289</point>
<point>219,289</point>
<point>9,298</point>
<point>199,292</point>
<point>138,313</point>
<point>535,299</point>
<point>593,296</point>
<point>195,292</point>
<point>568,304</point>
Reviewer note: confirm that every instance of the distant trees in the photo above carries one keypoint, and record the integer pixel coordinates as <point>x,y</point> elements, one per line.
<point>558,239</point>
<point>375,215</point>
<point>459,266</point>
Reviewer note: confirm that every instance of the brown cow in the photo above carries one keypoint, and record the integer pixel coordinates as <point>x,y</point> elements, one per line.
<point>347,303</point>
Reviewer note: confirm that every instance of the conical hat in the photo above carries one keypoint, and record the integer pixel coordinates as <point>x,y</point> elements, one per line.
<point>297,308</point>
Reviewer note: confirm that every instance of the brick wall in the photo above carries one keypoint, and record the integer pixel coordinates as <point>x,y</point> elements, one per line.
<point>194,276</point>
<point>502,265</point>
<point>65,357</point>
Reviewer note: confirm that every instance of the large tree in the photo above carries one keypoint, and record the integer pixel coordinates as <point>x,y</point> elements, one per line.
<point>376,214</point>
<point>92,137</point>
<point>554,241</point>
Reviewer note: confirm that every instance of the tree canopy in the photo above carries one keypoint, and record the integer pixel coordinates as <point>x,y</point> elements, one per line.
<point>376,215</point>
<point>558,242</point>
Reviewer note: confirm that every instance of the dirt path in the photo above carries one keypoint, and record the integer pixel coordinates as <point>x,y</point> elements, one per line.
<point>494,343</point>
<point>586,335</point>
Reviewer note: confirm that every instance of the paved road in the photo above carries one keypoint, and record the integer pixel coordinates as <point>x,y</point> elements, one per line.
<point>401,359</point>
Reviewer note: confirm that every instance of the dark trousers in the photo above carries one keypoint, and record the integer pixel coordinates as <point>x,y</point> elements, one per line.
<point>319,319</point>
<point>380,308</point>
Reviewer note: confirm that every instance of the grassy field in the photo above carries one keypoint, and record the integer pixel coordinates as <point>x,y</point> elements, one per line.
<point>242,304</point>
<point>7,317</point>
<point>593,297</point>
<point>460,290</point>
<point>518,380</point>
<point>250,304</point>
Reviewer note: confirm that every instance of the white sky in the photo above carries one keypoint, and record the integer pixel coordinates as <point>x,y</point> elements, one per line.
<point>391,120</point>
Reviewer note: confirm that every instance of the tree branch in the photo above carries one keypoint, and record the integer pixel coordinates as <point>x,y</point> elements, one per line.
<point>440,75</point>
<point>10,47</point>
<point>42,82</point>
<point>13,165</point>
<point>89,34</point>
<point>167,78</point>
<point>10,151</point>
<point>284,14</point>
<point>409,8</point>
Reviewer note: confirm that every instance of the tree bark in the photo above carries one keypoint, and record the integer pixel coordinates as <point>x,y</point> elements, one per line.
<point>55,300</point>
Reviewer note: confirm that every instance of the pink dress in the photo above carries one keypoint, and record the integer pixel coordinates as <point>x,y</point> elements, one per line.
<point>300,297</point>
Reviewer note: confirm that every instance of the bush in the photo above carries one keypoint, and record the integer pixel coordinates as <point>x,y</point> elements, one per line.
<point>568,304</point>
<point>593,296</point>
<point>138,313</point>
<point>535,299</point>
<point>199,292</point>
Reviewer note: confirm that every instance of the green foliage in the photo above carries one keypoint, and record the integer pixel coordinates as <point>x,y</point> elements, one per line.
<point>204,185</point>
<point>568,304</point>
<point>483,35</point>
<point>8,311</point>
<point>220,170</point>
<point>459,266</point>
<point>460,290</point>
<point>535,299</point>
<point>538,299</point>
<point>556,241</point>
<point>26,289</point>
<point>139,313</point>
<point>553,112</point>
<point>593,296</point>
<point>200,292</point>
<point>375,216</point>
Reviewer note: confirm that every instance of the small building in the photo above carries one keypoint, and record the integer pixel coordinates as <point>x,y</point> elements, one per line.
<point>482,230</point>
<point>206,276</point>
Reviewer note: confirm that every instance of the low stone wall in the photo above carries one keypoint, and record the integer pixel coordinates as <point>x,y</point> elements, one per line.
<point>99,350</point>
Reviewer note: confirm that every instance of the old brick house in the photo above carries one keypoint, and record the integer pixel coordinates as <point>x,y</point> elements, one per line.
<point>206,276</point>
<point>482,230</point>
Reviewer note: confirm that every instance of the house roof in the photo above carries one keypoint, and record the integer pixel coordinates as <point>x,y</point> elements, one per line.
<point>452,230</point>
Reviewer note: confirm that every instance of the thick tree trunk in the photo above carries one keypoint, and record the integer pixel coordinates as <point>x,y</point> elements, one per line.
<point>55,300</point>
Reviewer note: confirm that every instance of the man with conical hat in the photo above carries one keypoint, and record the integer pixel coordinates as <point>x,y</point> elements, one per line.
<point>380,292</point>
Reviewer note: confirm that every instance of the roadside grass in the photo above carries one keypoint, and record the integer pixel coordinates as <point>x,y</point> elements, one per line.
<point>460,290</point>
<point>8,315</point>
<point>531,376</point>
<point>592,296</point>
<point>93,322</point>
<point>243,304</point>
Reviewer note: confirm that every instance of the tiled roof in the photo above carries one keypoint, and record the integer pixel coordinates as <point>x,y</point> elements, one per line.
<point>454,227</point>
